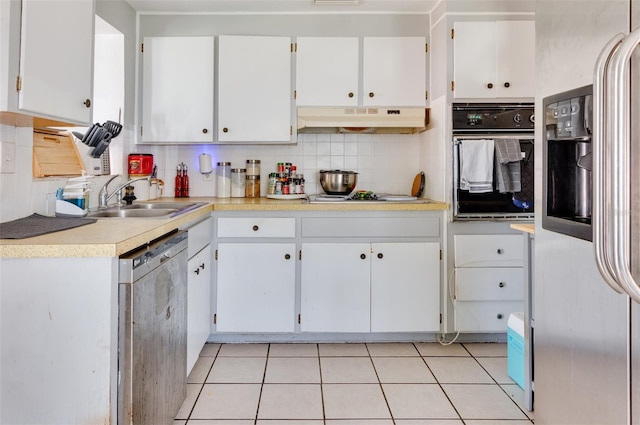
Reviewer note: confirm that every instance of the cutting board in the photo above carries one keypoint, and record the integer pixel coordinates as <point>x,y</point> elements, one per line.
<point>55,154</point>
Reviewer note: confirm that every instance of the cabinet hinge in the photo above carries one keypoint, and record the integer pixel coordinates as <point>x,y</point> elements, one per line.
<point>441,254</point>
<point>18,83</point>
<point>290,130</point>
<point>299,319</point>
<point>215,318</point>
<point>440,317</point>
<point>294,47</point>
<point>453,86</point>
<point>215,257</point>
<point>141,47</point>
<point>300,255</point>
<point>426,47</point>
<point>426,94</point>
<point>141,131</point>
<point>453,33</point>
<point>295,94</point>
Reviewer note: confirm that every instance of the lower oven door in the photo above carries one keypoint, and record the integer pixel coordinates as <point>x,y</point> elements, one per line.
<point>488,182</point>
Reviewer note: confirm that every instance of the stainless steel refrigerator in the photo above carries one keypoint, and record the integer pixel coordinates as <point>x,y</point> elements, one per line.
<point>587,335</point>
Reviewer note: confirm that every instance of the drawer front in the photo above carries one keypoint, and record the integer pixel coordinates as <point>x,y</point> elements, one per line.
<point>485,316</point>
<point>200,235</point>
<point>371,227</point>
<point>489,250</point>
<point>257,227</point>
<point>490,284</point>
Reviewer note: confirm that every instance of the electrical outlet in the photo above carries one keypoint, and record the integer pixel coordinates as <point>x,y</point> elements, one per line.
<point>7,157</point>
<point>207,177</point>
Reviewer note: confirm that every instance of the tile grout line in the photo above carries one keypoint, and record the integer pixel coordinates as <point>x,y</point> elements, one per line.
<point>393,421</point>
<point>204,381</point>
<point>264,376</point>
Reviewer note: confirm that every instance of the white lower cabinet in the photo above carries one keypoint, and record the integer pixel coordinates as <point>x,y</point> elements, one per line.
<point>255,287</point>
<point>198,304</point>
<point>370,287</point>
<point>489,281</point>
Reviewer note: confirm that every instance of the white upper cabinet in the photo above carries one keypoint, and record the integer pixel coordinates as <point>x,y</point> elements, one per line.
<point>254,89</point>
<point>394,71</point>
<point>56,60</point>
<point>327,71</point>
<point>494,59</point>
<point>177,89</point>
<point>335,71</point>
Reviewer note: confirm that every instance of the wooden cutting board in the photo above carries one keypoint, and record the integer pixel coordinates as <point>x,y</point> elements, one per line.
<point>55,154</point>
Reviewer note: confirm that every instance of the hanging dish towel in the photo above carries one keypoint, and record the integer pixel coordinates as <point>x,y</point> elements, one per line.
<point>476,165</point>
<point>508,157</point>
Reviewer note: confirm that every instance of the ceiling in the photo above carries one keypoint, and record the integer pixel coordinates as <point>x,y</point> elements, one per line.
<point>282,6</point>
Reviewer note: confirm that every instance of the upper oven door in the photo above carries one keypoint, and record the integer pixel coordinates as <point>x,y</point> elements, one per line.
<point>489,181</point>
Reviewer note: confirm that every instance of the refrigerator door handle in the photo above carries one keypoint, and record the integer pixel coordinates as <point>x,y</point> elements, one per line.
<point>601,166</point>
<point>620,208</point>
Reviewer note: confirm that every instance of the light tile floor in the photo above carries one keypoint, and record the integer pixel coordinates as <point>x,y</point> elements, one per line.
<point>353,384</point>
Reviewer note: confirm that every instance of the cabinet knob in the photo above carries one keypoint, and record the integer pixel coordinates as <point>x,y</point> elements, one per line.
<point>507,84</point>
<point>87,103</point>
<point>363,256</point>
<point>501,284</point>
<point>499,316</point>
<point>255,228</point>
<point>225,130</point>
<point>287,256</point>
<point>499,251</point>
<point>205,131</point>
<point>380,255</point>
<point>350,94</point>
<point>490,85</point>
<point>371,94</point>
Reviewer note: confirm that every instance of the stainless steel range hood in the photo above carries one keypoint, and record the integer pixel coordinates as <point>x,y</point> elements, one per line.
<point>362,120</point>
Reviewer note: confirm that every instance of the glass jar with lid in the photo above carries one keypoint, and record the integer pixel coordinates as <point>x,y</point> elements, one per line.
<point>252,187</point>
<point>223,180</point>
<point>253,167</point>
<point>238,177</point>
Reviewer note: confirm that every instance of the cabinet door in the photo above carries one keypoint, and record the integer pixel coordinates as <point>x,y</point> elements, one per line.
<point>254,89</point>
<point>405,287</point>
<point>335,287</point>
<point>327,71</point>
<point>474,59</point>
<point>256,287</point>
<point>394,71</point>
<point>198,304</point>
<point>56,59</point>
<point>177,89</point>
<point>516,58</point>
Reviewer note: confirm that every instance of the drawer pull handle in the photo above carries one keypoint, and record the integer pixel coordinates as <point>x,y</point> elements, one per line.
<point>87,103</point>
<point>255,228</point>
<point>371,94</point>
<point>499,316</point>
<point>350,94</point>
<point>501,284</point>
<point>287,256</point>
<point>205,131</point>
<point>499,251</point>
<point>380,255</point>
<point>507,84</point>
<point>197,271</point>
<point>202,266</point>
<point>363,256</point>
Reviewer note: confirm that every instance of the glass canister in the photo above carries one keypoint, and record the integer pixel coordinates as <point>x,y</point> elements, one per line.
<point>252,187</point>
<point>238,183</point>
<point>223,180</point>
<point>253,167</point>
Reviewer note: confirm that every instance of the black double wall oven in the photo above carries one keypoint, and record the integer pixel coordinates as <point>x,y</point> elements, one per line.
<point>493,161</point>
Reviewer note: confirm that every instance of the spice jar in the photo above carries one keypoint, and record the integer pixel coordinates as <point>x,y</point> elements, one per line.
<point>252,187</point>
<point>238,177</point>
<point>223,180</point>
<point>253,167</point>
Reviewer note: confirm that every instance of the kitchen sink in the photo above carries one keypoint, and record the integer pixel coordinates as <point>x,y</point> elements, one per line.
<point>147,210</point>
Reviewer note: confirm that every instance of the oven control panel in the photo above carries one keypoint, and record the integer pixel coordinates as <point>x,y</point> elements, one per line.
<point>493,117</point>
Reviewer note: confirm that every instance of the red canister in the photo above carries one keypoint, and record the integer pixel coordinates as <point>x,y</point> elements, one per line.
<point>140,164</point>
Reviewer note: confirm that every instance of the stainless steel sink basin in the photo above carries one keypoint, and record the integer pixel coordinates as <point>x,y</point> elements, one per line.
<point>147,210</point>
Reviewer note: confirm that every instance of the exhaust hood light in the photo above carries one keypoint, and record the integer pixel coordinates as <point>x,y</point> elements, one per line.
<point>339,2</point>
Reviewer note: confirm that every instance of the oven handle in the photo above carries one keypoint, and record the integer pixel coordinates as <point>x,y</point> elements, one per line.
<point>618,80</point>
<point>601,166</point>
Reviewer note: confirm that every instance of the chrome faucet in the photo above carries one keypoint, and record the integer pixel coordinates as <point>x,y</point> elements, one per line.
<point>104,197</point>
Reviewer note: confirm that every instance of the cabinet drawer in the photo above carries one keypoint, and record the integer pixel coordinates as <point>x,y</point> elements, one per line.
<point>486,284</point>
<point>200,235</point>
<point>485,316</point>
<point>256,227</point>
<point>489,250</point>
<point>371,227</point>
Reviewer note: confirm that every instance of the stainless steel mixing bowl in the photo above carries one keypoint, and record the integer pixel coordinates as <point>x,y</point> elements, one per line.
<point>337,182</point>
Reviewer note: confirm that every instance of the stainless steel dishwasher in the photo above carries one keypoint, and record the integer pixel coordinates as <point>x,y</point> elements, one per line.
<point>152,340</point>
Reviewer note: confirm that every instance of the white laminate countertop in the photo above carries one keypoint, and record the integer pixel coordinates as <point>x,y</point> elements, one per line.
<point>113,237</point>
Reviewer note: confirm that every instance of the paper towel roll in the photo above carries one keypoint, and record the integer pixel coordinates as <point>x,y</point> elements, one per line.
<point>206,166</point>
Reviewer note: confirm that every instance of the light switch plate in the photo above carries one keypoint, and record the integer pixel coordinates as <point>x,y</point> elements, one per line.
<point>7,157</point>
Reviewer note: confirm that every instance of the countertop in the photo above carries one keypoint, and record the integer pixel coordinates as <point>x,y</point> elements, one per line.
<point>525,227</point>
<point>113,237</point>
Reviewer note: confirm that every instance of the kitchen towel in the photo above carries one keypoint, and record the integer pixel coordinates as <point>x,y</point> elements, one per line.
<point>36,225</point>
<point>476,165</point>
<point>508,157</point>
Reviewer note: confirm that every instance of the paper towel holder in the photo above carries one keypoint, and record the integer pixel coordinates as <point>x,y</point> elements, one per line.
<point>206,166</point>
